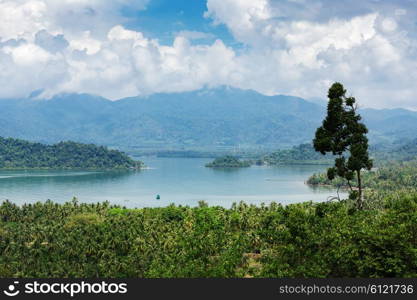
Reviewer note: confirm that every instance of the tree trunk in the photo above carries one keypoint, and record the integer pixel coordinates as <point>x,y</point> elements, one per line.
<point>359,201</point>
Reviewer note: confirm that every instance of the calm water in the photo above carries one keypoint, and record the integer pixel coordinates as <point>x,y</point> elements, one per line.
<point>177,180</point>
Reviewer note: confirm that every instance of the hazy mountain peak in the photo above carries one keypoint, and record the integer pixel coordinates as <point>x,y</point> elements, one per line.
<point>222,116</point>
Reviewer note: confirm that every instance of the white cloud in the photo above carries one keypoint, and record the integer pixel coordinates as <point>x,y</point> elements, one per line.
<point>20,19</point>
<point>195,35</point>
<point>112,61</point>
<point>128,64</point>
<point>120,33</point>
<point>24,18</point>
<point>28,54</point>
<point>298,47</point>
<point>241,16</point>
<point>389,24</point>
<point>50,42</point>
<point>290,47</point>
<point>86,43</point>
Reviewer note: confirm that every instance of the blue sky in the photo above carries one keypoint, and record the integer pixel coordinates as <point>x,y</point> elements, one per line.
<point>122,48</point>
<point>163,19</point>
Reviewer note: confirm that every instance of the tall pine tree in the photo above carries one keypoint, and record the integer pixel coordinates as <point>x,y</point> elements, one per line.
<point>343,134</point>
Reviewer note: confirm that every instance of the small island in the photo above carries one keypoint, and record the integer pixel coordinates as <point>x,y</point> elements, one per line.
<point>21,154</point>
<point>228,161</point>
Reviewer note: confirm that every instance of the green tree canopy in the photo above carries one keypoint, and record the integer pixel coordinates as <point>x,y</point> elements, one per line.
<point>343,134</point>
<point>20,154</point>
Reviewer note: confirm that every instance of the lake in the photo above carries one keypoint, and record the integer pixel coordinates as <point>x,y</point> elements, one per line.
<point>177,180</point>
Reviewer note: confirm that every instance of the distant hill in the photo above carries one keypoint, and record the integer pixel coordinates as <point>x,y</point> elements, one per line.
<point>208,118</point>
<point>390,125</point>
<point>408,151</point>
<point>65,155</point>
<point>300,154</point>
<point>405,151</point>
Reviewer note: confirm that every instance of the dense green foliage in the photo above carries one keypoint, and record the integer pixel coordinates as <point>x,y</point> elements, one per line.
<point>385,181</point>
<point>300,240</point>
<point>302,154</point>
<point>65,155</point>
<point>389,177</point>
<point>228,162</point>
<point>341,133</point>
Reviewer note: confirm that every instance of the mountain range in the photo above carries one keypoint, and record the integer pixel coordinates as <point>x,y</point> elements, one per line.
<point>207,118</point>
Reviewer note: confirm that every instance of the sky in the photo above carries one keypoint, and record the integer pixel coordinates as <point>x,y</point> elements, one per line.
<point>124,48</point>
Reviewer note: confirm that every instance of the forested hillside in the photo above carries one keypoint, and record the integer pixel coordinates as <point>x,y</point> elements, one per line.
<point>16,153</point>
<point>404,152</point>
<point>300,154</point>
<point>205,119</point>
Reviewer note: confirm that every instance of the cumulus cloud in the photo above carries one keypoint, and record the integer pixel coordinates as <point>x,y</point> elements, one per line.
<point>195,35</point>
<point>50,42</point>
<point>299,47</point>
<point>100,56</point>
<point>291,47</point>
<point>126,63</point>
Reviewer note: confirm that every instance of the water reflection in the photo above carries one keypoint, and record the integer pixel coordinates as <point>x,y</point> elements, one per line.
<point>226,170</point>
<point>17,178</point>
